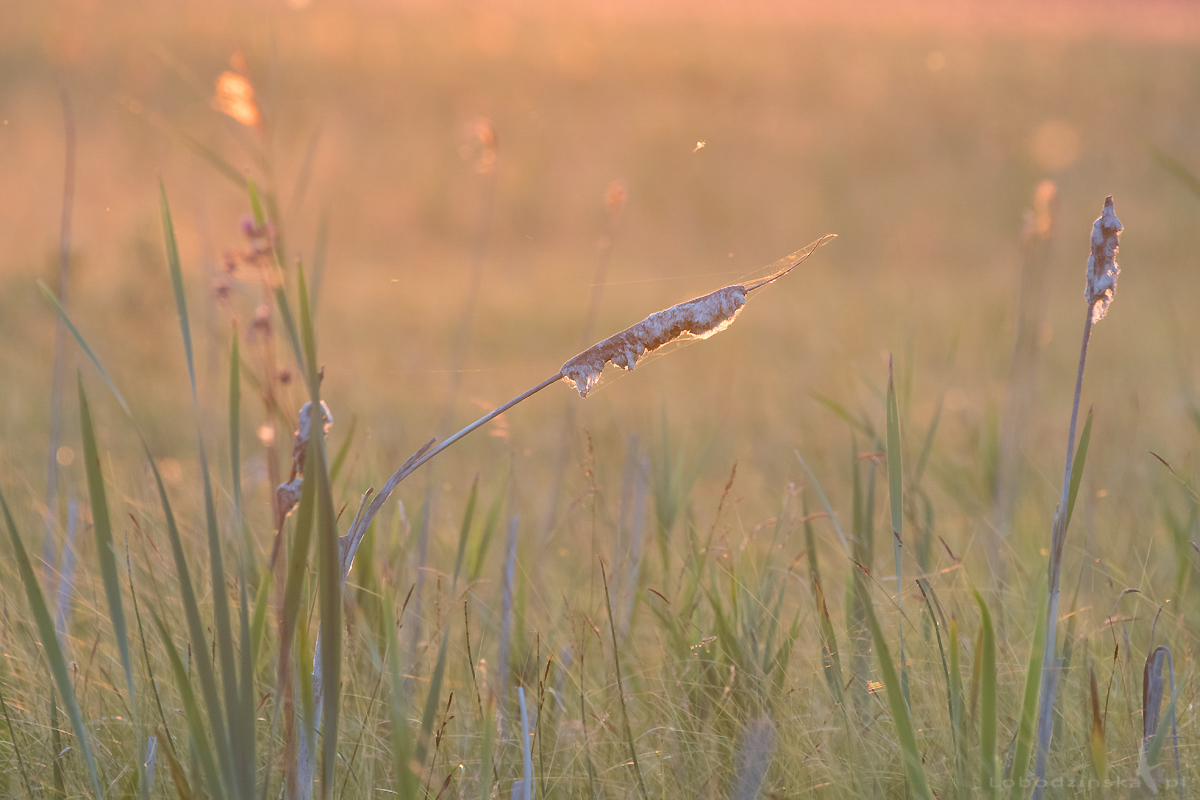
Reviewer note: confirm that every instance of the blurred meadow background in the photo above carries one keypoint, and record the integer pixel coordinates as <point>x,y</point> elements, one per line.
<point>478,191</point>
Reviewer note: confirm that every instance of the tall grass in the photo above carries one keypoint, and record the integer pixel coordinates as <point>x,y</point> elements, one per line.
<point>265,666</point>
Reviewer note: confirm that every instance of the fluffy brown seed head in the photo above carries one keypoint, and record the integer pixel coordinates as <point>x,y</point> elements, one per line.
<point>698,318</point>
<point>1102,269</point>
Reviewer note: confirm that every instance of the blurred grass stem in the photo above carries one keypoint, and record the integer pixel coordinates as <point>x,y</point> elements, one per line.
<point>49,551</point>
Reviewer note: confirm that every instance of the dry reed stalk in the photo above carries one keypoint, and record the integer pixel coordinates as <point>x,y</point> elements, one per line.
<point>287,494</point>
<point>1102,271</point>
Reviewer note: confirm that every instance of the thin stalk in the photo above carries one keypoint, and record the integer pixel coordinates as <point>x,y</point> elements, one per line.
<point>1058,537</point>
<point>49,554</point>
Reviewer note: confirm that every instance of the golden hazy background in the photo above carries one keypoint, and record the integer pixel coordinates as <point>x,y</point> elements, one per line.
<point>917,132</point>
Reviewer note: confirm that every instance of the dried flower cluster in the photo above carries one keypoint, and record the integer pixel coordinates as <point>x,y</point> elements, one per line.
<point>1102,269</point>
<point>287,494</point>
<point>695,319</point>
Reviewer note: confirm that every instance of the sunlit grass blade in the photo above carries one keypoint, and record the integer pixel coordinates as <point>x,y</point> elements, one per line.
<point>102,529</point>
<point>54,655</point>
<point>905,733</point>
<point>195,722</point>
<point>896,496</point>
<point>62,313</point>
<point>235,451</point>
<point>987,705</point>
<point>1024,742</point>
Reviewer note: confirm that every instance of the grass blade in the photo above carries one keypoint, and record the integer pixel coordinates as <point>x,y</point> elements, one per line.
<point>208,767</point>
<point>896,496</point>
<point>1024,741</point>
<point>898,705</point>
<point>54,654</point>
<point>987,692</point>
<point>102,528</point>
<point>62,314</point>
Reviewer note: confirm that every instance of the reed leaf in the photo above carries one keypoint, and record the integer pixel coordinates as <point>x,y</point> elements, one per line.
<point>914,770</point>
<point>1024,741</point>
<point>896,496</point>
<point>990,784</point>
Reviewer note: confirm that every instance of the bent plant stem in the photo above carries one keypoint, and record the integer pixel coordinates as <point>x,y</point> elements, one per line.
<point>348,547</point>
<point>1058,538</point>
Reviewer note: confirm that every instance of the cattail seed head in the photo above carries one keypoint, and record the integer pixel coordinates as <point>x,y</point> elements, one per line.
<point>1102,269</point>
<point>698,318</point>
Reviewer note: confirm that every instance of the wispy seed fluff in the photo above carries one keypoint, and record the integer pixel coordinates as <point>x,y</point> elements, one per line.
<point>698,318</point>
<point>1102,269</point>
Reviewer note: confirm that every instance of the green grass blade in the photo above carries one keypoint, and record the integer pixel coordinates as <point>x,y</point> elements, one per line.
<point>1033,681</point>
<point>173,264</point>
<point>987,708</point>
<point>824,502</point>
<point>102,529</point>
<point>464,531</point>
<point>62,314</point>
<point>340,459</point>
<point>54,654</point>
<point>329,574</point>
<point>1085,438</point>
<point>208,767</point>
<point>235,450</point>
<point>434,699</point>
<point>905,733</point>
<point>896,496</point>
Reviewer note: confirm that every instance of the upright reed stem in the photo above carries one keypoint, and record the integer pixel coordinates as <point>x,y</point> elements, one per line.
<point>1051,665</point>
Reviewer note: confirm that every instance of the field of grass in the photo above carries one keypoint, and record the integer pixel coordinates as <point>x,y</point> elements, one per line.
<point>682,585</point>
